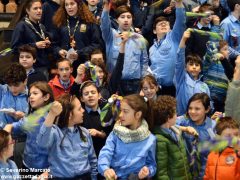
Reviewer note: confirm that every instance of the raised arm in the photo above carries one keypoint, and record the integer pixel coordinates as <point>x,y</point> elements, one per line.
<point>180,63</point>
<point>179,25</point>
<point>45,136</point>
<point>106,23</point>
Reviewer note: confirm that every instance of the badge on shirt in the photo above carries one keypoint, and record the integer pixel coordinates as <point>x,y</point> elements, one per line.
<point>83,28</point>
<point>230,160</point>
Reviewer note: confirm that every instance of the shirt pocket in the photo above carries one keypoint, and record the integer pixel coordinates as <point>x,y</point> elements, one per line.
<point>84,148</point>
<point>235,37</point>
<point>165,48</point>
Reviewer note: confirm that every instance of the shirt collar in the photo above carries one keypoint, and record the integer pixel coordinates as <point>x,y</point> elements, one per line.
<point>88,109</point>
<point>31,71</point>
<point>233,18</point>
<point>158,43</point>
<point>200,26</point>
<point>65,84</point>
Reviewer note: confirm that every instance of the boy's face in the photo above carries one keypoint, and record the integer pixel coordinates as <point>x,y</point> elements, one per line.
<point>97,58</point>
<point>125,21</point>
<point>162,27</point>
<point>90,96</point>
<point>230,133</point>
<point>224,51</point>
<point>26,60</point>
<point>172,121</point>
<point>17,88</point>
<point>92,2</point>
<point>64,70</point>
<point>206,20</point>
<point>194,69</point>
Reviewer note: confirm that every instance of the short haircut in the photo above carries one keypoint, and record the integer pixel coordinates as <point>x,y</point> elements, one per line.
<point>15,74</point>
<point>193,58</point>
<point>232,4</point>
<point>117,3</point>
<point>222,43</point>
<point>122,9</point>
<point>87,84</point>
<point>224,123</point>
<point>163,109</point>
<point>159,19</point>
<point>62,60</point>
<point>205,7</point>
<point>29,49</point>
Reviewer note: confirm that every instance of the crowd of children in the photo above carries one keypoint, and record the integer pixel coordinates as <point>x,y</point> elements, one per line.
<point>89,99</point>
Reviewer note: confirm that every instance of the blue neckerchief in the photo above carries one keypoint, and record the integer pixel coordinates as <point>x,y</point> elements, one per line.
<point>65,84</point>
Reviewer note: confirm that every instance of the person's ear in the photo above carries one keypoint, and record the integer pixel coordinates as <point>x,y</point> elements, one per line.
<point>138,115</point>
<point>25,82</point>
<point>154,31</point>
<point>208,109</point>
<point>46,97</point>
<point>34,60</point>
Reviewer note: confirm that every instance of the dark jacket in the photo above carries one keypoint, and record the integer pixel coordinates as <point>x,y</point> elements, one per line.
<point>86,36</point>
<point>49,8</point>
<point>24,34</point>
<point>35,76</point>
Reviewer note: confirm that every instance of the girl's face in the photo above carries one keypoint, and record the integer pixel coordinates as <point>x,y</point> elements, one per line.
<point>36,98</point>
<point>125,21</point>
<point>71,7</point>
<point>8,151</point>
<point>100,74</point>
<point>77,113</point>
<point>35,12</point>
<point>129,117</point>
<point>149,90</point>
<point>90,97</point>
<point>197,112</point>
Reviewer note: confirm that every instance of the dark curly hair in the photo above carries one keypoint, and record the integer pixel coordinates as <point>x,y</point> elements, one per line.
<point>15,74</point>
<point>60,17</point>
<point>163,109</point>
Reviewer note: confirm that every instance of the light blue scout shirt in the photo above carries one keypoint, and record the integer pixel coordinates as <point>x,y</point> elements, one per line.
<point>231,28</point>
<point>68,155</point>
<point>9,170</point>
<point>7,100</point>
<point>163,54</point>
<point>135,57</point>
<point>34,156</point>
<point>127,158</point>
<point>205,131</point>
<point>186,86</point>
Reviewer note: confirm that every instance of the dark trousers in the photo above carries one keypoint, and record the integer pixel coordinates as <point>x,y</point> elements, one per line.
<point>168,90</point>
<point>86,176</point>
<point>128,87</point>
